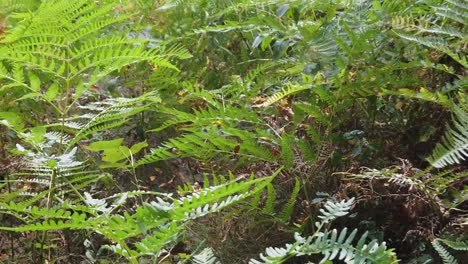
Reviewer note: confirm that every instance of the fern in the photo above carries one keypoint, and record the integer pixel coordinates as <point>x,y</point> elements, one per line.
<point>161,221</point>
<point>447,258</point>
<point>457,245</point>
<point>60,48</point>
<point>285,92</point>
<point>334,210</point>
<point>331,244</point>
<point>288,208</point>
<point>270,200</point>
<point>430,31</point>
<point>454,146</point>
<point>227,116</point>
<point>11,6</point>
<point>423,94</point>
<point>110,113</point>
<point>206,256</point>
<point>209,145</point>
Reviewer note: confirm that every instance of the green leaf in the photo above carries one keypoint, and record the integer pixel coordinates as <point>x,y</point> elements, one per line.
<point>115,155</point>
<point>35,82</point>
<point>105,145</point>
<point>377,5</point>
<point>79,90</point>
<point>279,48</point>
<point>52,163</point>
<point>52,92</point>
<point>282,10</point>
<point>139,146</point>
<point>113,151</point>
<point>11,120</point>
<point>258,40</point>
<point>37,134</point>
<point>266,42</point>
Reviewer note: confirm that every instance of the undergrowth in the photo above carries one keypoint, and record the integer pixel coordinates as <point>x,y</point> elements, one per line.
<point>117,118</point>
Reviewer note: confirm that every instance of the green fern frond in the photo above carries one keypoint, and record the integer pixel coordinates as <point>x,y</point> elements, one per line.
<point>331,244</point>
<point>457,245</point>
<point>456,11</point>
<point>111,113</point>
<point>447,258</point>
<point>206,256</point>
<point>63,39</point>
<point>423,94</point>
<point>191,207</point>
<point>431,31</point>
<point>437,44</point>
<point>289,90</point>
<point>153,243</point>
<point>270,200</point>
<point>209,145</point>
<point>315,111</point>
<point>226,116</point>
<point>307,150</point>
<point>287,151</point>
<point>57,219</point>
<point>288,208</point>
<point>454,146</point>
<point>161,220</point>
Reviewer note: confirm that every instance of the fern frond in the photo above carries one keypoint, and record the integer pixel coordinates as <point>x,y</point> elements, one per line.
<point>232,192</point>
<point>447,258</point>
<point>209,145</point>
<point>162,219</point>
<point>206,256</point>
<point>270,200</point>
<point>287,150</point>
<point>288,208</point>
<point>457,245</point>
<point>456,11</point>
<point>289,90</point>
<point>63,219</point>
<point>331,244</point>
<point>333,210</point>
<point>431,31</point>
<point>63,39</point>
<point>454,146</point>
<point>153,243</point>
<point>423,94</point>
<point>226,116</point>
<point>111,113</point>
<point>315,111</point>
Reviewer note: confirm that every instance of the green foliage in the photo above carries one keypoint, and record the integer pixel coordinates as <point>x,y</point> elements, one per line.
<point>457,245</point>
<point>161,220</point>
<point>90,86</point>
<point>454,146</point>
<point>287,211</point>
<point>332,244</point>
<point>431,29</point>
<point>447,258</point>
<point>11,6</point>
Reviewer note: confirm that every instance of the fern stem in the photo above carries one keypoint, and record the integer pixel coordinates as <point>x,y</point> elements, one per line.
<point>50,197</point>
<point>307,196</point>
<point>12,246</point>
